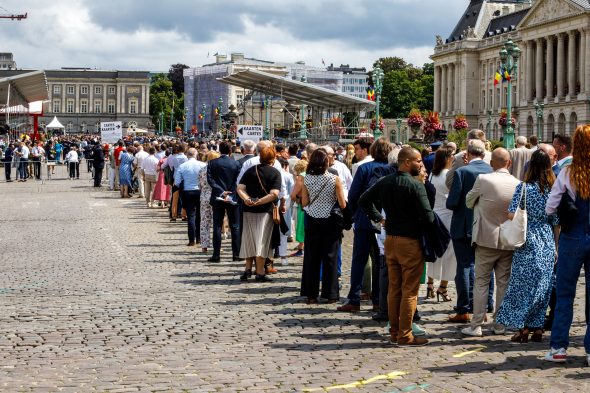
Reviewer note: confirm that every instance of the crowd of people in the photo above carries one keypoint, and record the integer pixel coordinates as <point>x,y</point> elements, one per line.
<point>427,217</point>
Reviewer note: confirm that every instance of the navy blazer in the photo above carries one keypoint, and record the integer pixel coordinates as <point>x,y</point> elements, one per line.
<point>360,184</point>
<point>222,175</point>
<point>462,221</point>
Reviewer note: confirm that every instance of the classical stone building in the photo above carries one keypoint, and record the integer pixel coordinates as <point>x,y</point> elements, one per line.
<point>81,98</point>
<point>554,68</point>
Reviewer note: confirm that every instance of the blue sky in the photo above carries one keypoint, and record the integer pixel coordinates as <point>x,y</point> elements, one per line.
<point>151,35</point>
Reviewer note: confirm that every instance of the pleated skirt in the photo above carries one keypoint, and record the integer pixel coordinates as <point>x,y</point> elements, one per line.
<point>256,235</point>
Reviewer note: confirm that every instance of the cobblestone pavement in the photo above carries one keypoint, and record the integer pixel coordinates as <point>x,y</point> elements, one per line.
<point>100,294</point>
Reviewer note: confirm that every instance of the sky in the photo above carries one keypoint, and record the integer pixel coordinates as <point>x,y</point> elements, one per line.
<point>151,35</point>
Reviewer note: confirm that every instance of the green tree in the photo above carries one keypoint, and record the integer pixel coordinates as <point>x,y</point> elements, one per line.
<point>175,75</point>
<point>389,64</point>
<point>162,98</point>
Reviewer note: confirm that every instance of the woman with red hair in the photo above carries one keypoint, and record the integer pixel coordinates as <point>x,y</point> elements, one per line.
<point>570,197</point>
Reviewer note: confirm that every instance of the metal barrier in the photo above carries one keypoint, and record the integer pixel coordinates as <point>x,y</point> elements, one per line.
<point>47,170</point>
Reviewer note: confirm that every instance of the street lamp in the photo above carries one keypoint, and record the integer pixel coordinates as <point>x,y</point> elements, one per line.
<point>203,108</point>
<point>539,111</point>
<point>489,123</point>
<point>185,122</point>
<point>378,83</point>
<point>161,123</point>
<point>219,109</point>
<point>509,55</point>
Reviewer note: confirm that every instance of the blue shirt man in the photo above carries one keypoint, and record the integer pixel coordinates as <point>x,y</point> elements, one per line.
<point>186,178</point>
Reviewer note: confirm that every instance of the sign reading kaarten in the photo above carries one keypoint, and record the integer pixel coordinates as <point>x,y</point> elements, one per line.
<point>111,131</point>
<point>253,133</point>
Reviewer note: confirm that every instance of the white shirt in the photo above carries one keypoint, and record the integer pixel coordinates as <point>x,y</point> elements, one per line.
<point>150,165</point>
<point>255,161</point>
<point>361,162</point>
<point>139,157</point>
<point>344,175</point>
<point>160,154</point>
<point>25,152</point>
<point>72,156</point>
<point>561,185</point>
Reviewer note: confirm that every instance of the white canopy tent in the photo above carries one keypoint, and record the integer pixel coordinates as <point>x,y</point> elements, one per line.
<point>54,124</point>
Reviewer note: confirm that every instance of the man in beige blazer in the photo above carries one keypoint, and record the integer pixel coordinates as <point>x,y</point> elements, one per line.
<point>489,198</point>
<point>519,157</point>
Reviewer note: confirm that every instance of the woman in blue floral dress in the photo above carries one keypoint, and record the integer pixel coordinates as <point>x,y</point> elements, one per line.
<point>126,171</point>
<point>529,289</point>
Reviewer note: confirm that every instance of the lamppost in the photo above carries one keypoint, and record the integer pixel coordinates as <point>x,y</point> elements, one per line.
<point>489,123</point>
<point>203,108</point>
<point>303,123</point>
<point>185,122</point>
<point>267,105</point>
<point>171,118</point>
<point>539,111</point>
<point>509,56</point>
<point>398,134</point>
<point>161,123</point>
<point>219,109</point>
<point>378,83</point>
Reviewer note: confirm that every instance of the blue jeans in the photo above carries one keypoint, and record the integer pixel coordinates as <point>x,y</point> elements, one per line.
<point>465,276</point>
<point>574,252</point>
<point>22,168</point>
<point>364,244</point>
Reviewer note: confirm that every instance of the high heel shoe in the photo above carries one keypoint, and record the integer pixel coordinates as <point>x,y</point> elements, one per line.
<point>442,293</point>
<point>430,291</point>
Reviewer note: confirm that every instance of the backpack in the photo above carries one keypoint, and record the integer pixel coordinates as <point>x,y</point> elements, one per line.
<point>168,176</point>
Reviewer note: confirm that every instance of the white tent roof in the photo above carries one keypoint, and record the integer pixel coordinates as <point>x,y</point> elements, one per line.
<point>30,86</point>
<point>299,92</point>
<point>55,123</point>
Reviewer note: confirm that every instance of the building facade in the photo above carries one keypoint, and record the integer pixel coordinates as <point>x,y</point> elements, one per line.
<point>83,98</point>
<point>7,61</point>
<point>553,70</point>
<point>355,80</point>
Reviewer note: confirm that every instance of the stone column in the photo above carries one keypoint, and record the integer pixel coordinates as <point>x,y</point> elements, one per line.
<point>450,78</point>
<point>560,74</point>
<point>571,64</point>
<point>437,75</point>
<point>443,89</point>
<point>550,68</point>
<point>582,58</point>
<point>457,99</point>
<point>529,70</point>
<point>539,74</point>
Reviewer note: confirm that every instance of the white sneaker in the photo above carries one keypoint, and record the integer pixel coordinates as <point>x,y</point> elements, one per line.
<point>556,355</point>
<point>284,261</point>
<point>472,331</point>
<point>498,328</point>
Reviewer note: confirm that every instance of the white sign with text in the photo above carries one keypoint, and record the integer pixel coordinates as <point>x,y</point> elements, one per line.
<point>253,133</point>
<point>111,131</point>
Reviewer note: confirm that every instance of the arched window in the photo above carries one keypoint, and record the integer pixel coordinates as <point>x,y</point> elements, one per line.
<point>573,123</point>
<point>550,127</point>
<point>561,124</point>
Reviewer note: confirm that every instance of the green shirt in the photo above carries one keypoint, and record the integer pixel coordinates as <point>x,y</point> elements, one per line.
<point>404,201</point>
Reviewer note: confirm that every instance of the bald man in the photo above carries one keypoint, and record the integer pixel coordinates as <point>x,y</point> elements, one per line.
<point>550,150</point>
<point>489,198</point>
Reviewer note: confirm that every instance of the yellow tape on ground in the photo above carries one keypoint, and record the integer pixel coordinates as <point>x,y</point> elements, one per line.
<point>356,384</point>
<point>462,354</point>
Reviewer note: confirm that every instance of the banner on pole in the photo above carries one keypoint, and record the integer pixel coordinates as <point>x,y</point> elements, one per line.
<point>111,132</point>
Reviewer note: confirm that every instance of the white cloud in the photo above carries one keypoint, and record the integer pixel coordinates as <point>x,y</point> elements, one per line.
<point>65,34</point>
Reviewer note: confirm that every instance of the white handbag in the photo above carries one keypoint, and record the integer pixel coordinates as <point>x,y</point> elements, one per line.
<point>513,232</point>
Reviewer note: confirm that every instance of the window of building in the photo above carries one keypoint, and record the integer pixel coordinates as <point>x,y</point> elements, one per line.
<point>111,107</point>
<point>56,106</point>
<point>97,89</point>
<point>70,89</point>
<point>70,127</point>
<point>111,90</point>
<point>97,107</point>
<point>83,89</point>
<point>97,126</point>
<point>56,89</point>
<point>84,106</point>
<point>70,106</point>
<point>133,107</point>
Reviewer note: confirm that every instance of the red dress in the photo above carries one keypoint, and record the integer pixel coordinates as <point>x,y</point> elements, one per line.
<point>161,190</point>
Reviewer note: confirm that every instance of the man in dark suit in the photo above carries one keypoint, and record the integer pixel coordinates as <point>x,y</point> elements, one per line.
<point>222,175</point>
<point>461,225</point>
<point>97,155</point>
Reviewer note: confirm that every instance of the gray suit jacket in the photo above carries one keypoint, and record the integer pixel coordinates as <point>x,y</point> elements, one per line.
<point>458,163</point>
<point>489,198</point>
<point>519,157</point>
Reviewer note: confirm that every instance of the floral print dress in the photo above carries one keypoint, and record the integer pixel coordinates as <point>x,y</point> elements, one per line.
<point>531,279</point>
<point>206,210</point>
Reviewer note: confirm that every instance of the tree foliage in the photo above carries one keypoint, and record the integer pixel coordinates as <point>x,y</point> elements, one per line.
<point>175,75</point>
<point>405,87</point>
<point>162,98</point>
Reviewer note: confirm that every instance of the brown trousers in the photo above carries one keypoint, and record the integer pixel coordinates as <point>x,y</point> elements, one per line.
<point>405,265</point>
<point>149,184</point>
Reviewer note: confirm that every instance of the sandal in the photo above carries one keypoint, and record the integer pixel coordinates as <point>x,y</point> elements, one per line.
<point>521,337</point>
<point>537,335</point>
<point>442,292</point>
<point>430,291</point>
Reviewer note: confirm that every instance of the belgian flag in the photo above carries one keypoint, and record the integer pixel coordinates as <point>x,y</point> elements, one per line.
<point>497,77</point>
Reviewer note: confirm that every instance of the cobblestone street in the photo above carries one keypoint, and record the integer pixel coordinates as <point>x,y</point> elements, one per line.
<point>101,294</point>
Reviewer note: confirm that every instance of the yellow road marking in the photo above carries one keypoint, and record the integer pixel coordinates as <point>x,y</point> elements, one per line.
<point>356,384</point>
<point>462,354</point>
